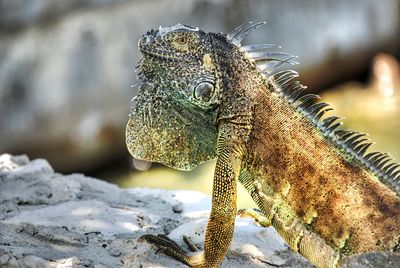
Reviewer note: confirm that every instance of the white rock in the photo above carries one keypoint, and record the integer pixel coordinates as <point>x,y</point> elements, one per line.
<point>51,220</point>
<point>83,216</point>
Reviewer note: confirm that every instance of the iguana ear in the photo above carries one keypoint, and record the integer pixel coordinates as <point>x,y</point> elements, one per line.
<point>176,135</point>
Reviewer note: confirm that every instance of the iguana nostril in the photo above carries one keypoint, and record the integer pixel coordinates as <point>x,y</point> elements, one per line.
<point>146,40</point>
<point>143,40</point>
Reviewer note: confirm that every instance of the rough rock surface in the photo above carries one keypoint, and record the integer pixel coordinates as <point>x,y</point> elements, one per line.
<point>51,220</point>
<point>66,66</point>
<point>48,219</point>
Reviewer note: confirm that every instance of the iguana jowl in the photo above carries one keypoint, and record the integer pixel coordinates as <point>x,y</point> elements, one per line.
<point>204,96</point>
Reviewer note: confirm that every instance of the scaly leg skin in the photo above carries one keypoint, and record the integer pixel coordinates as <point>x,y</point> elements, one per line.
<point>295,234</point>
<point>298,237</point>
<point>221,224</point>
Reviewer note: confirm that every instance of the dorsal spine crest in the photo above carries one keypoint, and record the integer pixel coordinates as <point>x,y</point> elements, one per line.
<point>283,82</point>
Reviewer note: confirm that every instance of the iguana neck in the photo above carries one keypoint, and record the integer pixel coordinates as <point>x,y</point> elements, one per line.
<point>238,98</point>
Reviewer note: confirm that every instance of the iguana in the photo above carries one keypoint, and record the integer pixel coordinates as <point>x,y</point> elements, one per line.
<point>204,96</point>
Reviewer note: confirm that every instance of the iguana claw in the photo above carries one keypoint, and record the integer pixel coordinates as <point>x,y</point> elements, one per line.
<point>171,248</point>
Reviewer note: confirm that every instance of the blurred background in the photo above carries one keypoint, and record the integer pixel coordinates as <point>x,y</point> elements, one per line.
<point>66,68</point>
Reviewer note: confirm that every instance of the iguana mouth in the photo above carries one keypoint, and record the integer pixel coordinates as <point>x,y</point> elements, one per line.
<point>160,54</point>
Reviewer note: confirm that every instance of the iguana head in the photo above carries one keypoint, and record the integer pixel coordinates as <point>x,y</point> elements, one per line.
<point>185,76</point>
<point>174,120</point>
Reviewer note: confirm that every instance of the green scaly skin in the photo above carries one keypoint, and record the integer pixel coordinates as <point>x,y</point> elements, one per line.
<point>204,96</point>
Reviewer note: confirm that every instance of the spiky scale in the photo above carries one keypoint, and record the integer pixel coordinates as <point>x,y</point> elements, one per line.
<point>238,29</point>
<point>362,148</point>
<point>265,67</point>
<point>292,86</point>
<point>306,100</point>
<point>342,132</point>
<point>373,159</point>
<point>348,134</point>
<point>378,160</point>
<point>345,135</point>
<point>382,164</point>
<point>266,55</point>
<point>369,156</point>
<point>350,142</point>
<point>285,73</point>
<point>318,116</point>
<point>241,35</point>
<point>329,131</point>
<point>357,143</point>
<point>316,108</point>
<point>294,94</point>
<point>259,47</point>
<point>269,66</point>
<point>286,77</point>
<point>276,64</point>
<point>390,170</point>
<point>395,175</point>
<point>328,121</point>
<point>289,60</point>
<point>242,31</point>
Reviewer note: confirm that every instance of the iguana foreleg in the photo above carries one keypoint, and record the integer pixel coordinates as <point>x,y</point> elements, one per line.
<point>221,224</point>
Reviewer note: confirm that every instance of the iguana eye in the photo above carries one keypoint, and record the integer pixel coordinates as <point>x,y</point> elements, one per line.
<point>181,40</point>
<point>181,43</point>
<point>203,91</point>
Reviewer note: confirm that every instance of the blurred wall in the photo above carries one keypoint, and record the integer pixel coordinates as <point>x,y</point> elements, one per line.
<point>66,66</point>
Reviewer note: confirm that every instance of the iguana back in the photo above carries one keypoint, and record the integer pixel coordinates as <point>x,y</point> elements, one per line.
<point>331,192</point>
